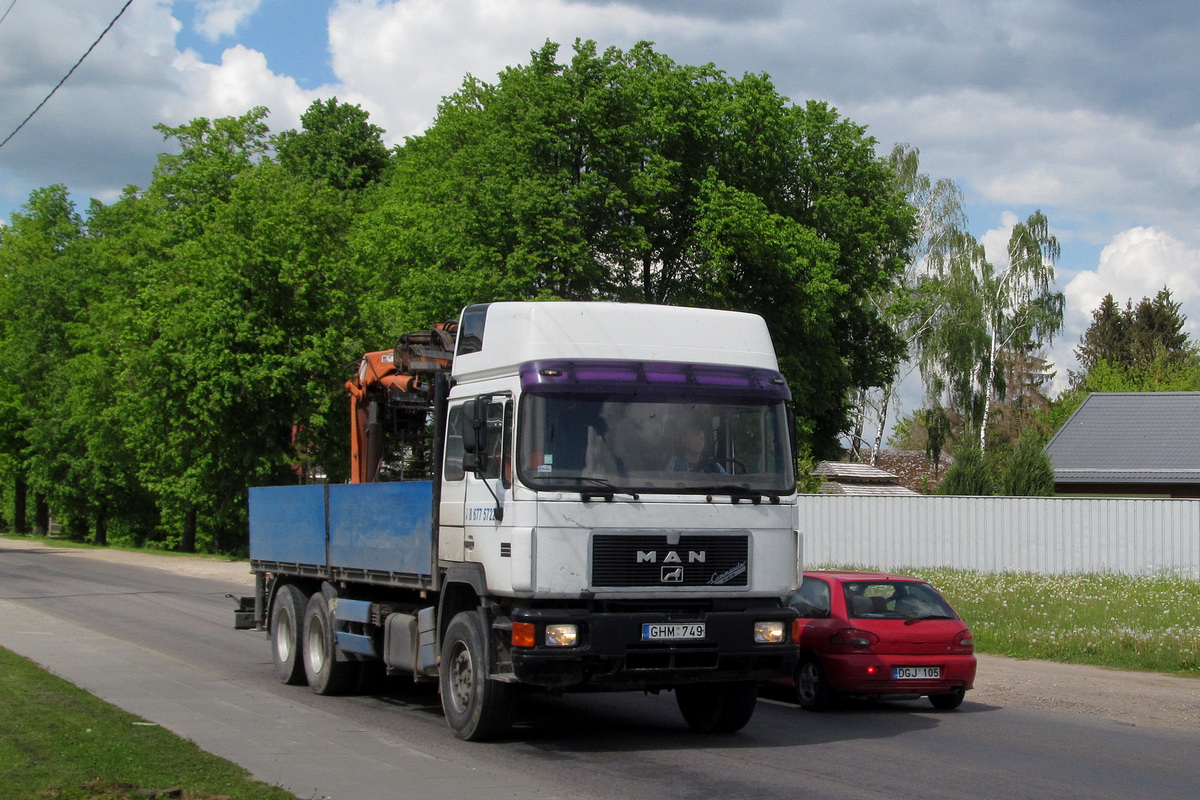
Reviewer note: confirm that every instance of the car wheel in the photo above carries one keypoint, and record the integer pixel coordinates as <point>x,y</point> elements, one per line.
<point>947,702</point>
<point>717,707</point>
<point>287,635</point>
<point>812,687</point>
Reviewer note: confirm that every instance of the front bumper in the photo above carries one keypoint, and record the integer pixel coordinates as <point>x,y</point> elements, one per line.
<point>612,654</point>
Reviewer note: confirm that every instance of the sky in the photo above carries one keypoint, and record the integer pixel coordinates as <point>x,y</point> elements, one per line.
<point>1088,111</point>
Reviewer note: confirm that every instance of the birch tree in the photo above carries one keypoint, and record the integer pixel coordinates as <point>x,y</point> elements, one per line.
<point>913,304</point>
<point>987,311</point>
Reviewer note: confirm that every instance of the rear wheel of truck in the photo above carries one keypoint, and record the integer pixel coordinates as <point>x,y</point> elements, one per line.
<point>717,707</point>
<point>476,707</point>
<point>326,675</point>
<point>287,640</point>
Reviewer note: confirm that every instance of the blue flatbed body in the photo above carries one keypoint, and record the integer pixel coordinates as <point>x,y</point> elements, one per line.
<point>370,532</point>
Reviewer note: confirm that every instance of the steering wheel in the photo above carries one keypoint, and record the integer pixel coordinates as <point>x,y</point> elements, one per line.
<point>732,466</point>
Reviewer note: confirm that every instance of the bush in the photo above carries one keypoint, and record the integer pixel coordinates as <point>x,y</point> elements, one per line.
<point>1028,473</point>
<point>969,475</point>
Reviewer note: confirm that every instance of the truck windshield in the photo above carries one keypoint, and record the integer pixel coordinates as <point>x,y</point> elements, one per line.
<point>651,445</point>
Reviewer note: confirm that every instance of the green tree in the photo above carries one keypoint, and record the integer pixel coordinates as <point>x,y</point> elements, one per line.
<point>1157,329</point>
<point>986,312</point>
<point>1142,347</point>
<point>236,362</point>
<point>625,176</point>
<point>969,474</point>
<point>937,428</point>
<point>1106,339</point>
<point>911,305</point>
<point>42,302</point>
<point>337,146</point>
<point>1028,472</point>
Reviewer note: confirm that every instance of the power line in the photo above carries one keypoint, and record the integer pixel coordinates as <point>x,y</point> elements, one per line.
<point>10,5</point>
<point>70,72</point>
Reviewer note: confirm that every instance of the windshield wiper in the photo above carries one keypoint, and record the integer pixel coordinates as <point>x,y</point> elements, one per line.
<point>739,492</point>
<point>913,620</point>
<point>611,489</point>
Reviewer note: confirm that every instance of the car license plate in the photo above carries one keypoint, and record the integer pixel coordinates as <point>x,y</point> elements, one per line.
<point>916,673</point>
<point>672,630</point>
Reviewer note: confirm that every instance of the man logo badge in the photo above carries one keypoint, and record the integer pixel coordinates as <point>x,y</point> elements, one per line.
<point>672,575</point>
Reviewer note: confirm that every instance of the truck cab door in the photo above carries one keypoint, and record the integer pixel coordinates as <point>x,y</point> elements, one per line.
<point>454,488</point>
<point>477,472</point>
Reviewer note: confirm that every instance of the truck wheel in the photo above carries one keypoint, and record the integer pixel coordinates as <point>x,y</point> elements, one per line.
<point>476,708</point>
<point>326,675</point>
<point>287,629</point>
<point>717,707</point>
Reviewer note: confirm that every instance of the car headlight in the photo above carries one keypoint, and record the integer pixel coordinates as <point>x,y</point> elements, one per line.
<point>562,635</point>
<point>772,632</point>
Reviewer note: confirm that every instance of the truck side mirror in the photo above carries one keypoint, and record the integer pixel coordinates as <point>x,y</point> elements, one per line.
<point>475,433</point>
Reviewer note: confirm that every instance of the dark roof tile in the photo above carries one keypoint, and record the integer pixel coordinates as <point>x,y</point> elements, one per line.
<point>1130,437</point>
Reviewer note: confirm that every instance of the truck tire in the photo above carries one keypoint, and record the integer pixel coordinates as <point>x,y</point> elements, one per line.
<point>326,675</point>
<point>476,707</point>
<point>287,635</point>
<point>717,707</point>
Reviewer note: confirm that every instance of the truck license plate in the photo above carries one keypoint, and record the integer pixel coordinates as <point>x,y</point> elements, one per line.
<point>672,630</point>
<point>916,673</point>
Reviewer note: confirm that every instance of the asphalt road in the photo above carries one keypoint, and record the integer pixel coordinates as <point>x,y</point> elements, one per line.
<point>162,645</point>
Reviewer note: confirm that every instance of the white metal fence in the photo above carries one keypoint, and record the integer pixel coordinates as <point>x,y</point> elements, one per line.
<point>998,534</point>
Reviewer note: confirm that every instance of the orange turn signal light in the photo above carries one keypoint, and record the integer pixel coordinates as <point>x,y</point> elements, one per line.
<point>523,634</point>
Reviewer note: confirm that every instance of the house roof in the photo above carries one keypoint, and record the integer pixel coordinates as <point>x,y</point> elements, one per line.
<point>860,473</point>
<point>858,479</point>
<point>1130,437</point>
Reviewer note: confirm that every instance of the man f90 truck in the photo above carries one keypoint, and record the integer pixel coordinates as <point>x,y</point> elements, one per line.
<point>607,503</point>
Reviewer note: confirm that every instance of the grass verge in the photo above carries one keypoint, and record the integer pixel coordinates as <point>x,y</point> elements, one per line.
<point>58,741</point>
<point>1149,623</point>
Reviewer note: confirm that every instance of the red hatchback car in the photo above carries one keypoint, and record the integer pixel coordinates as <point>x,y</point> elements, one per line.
<point>870,634</point>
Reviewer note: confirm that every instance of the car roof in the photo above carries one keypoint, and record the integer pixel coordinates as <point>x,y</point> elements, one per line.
<point>858,575</point>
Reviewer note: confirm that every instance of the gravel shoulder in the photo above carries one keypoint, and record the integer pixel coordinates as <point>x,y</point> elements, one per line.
<point>1145,699</point>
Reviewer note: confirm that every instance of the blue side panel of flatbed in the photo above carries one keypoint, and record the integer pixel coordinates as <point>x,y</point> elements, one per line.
<point>287,524</point>
<point>382,527</point>
<point>369,531</point>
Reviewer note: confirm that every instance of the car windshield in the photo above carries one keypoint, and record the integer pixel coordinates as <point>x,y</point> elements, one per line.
<point>884,599</point>
<point>654,445</point>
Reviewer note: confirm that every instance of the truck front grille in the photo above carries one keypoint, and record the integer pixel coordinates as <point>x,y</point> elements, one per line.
<point>651,560</point>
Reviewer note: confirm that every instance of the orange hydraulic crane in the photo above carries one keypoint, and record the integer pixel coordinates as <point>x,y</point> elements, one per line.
<point>393,390</point>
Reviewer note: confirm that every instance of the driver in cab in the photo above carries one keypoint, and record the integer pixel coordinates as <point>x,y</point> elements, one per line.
<point>693,452</point>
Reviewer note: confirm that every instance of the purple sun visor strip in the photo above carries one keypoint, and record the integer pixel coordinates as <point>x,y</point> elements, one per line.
<point>659,380</point>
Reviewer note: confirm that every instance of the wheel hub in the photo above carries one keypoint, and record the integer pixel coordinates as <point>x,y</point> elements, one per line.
<point>461,678</point>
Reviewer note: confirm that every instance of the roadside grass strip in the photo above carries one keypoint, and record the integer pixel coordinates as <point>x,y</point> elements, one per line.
<point>1149,623</point>
<point>58,741</point>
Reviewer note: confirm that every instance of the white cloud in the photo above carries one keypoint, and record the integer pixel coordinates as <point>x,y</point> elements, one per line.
<point>1137,263</point>
<point>241,81</point>
<point>995,241</point>
<point>217,18</point>
<point>1073,160</point>
<point>398,60</point>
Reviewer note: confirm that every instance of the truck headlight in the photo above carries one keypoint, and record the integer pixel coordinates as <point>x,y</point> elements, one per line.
<point>769,632</point>
<point>562,635</point>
